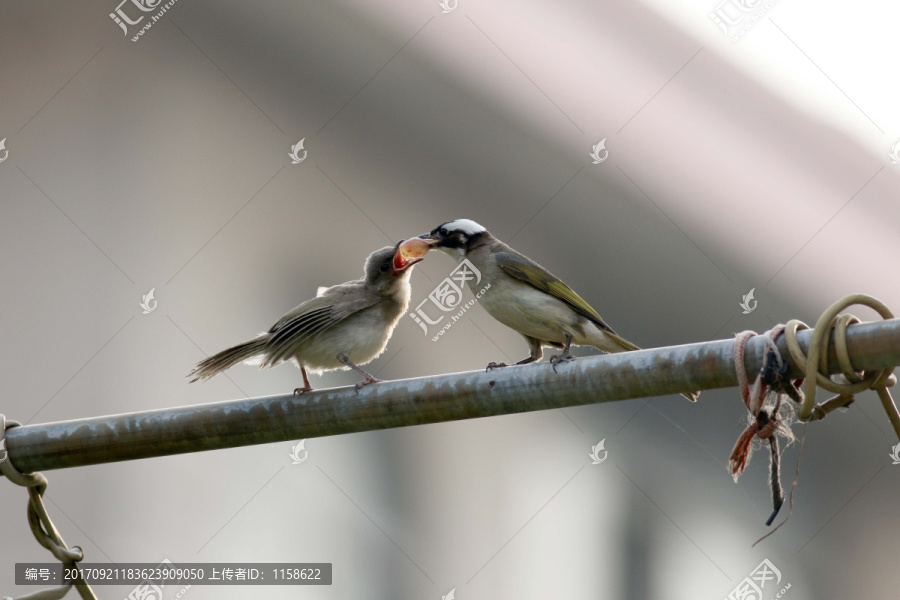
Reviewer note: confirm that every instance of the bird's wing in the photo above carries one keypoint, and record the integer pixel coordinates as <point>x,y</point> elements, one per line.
<point>315,316</point>
<point>528,271</point>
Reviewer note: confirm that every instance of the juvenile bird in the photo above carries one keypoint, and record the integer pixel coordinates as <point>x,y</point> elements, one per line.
<point>528,298</point>
<point>344,326</point>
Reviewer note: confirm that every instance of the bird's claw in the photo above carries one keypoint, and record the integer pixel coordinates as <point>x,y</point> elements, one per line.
<point>303,390</point>
<point>559,358</point>
<point>365,382</point>
<point>495,365</point>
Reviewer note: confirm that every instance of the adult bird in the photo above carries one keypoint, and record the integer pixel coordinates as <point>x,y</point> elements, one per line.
<point>344,326</point>
<point>528,298</point>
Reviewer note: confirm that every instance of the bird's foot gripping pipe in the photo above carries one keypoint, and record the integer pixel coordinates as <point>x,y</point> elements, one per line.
<point>495,365</point>
<point>366,382</point>
<point>560,358</point>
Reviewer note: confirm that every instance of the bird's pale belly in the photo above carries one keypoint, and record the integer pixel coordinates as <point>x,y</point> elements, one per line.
<point>531,312</point>
<point>362,341</point>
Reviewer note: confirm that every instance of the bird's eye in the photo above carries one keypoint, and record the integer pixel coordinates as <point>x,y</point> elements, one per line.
<point>385,267</point>
<point>443,231</point>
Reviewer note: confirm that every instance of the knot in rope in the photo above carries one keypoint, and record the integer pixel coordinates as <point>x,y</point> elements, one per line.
<point>764,414</point>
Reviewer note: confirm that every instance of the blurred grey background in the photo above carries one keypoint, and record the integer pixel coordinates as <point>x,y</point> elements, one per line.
<point>751,157</point>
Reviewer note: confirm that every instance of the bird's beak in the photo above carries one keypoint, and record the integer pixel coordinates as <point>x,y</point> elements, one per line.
<point>410,252</point>
<point>432,240</point>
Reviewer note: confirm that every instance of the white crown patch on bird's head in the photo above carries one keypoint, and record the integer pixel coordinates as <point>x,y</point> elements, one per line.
<point>466,226</point>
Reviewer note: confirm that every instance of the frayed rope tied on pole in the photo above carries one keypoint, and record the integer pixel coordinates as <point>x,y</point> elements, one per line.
<point>770,416</point>
<point>41,525</point>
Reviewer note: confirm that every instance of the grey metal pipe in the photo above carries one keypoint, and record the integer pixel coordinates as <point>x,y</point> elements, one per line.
<point>451,397</point>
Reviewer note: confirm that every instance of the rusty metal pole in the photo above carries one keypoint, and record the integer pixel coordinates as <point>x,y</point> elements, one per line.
<point>452,397</point>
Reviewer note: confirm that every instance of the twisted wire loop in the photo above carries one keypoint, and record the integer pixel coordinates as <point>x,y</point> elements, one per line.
<point>41,525</point>
<point>815,365</point>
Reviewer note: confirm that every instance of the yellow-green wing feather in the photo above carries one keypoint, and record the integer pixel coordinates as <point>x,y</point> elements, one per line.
<point>525,269</point>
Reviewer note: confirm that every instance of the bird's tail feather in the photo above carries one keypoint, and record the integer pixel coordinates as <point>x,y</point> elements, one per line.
<point>217,363</point>
<point>692,396</point>
<point>619,340</point>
